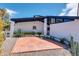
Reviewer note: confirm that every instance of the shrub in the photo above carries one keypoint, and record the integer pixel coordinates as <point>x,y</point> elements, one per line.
<point>27,33</point>
<point>39,33</point>
<point>33,33</point>
<point>18,33</point>
<point>62,40</point>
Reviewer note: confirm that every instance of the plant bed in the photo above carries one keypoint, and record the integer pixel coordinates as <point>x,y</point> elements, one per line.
<point>20,33</point>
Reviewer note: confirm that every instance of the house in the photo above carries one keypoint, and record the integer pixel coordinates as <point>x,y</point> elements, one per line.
<point>48,25</point>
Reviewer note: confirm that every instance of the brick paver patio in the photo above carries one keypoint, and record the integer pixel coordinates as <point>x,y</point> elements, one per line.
<point>31,46</point>
<point>27,44</point>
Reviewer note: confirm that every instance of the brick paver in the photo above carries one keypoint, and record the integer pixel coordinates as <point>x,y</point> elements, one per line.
<point>9,45</point>
<point>27,44</point>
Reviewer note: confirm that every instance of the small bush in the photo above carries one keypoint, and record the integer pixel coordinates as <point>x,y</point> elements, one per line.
<point>65,42</point>
<point>39,33</point>
<point>33,33</point>
<point>18,33</point>
<point>27,33</point>
<point>62,40</point>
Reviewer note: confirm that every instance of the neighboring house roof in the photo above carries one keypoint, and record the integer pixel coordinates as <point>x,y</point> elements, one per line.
<point>41,18</point>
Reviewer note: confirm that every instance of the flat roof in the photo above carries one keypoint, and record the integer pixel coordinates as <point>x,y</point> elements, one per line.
<point>41,18</point>
<point>27,19</point>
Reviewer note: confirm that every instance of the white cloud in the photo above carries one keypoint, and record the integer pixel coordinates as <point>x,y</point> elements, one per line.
<point>62,14</point>
<point>70,10</point>
<point>11,12</point>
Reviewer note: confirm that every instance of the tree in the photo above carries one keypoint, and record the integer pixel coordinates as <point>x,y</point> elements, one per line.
<point>2,13</point>
<point>7,24</point>
<point>6,20</point>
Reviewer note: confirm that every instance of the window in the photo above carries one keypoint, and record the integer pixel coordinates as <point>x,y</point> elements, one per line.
<point>52,20</point>
<point>48,28</point>
<point>59,20</point>
<point>34,27</point>
<point>67,20</point>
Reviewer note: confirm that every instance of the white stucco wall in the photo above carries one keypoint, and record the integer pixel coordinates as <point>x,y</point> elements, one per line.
<point>28,26</point>
<point>66,29</point>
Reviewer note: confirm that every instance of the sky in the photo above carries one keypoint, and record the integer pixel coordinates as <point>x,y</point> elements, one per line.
<point>20,10</point>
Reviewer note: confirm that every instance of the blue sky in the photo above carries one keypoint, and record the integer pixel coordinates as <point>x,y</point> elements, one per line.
<point>31,9</point>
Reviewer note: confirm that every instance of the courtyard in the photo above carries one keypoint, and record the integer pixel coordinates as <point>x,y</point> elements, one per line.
<point>31,46</point>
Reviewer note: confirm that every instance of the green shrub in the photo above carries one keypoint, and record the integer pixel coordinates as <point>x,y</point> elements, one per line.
<point>39,33</point>
<point>33,33</point>
<point>27,33</point>
<point>18,33</point>
<point>62,40</point>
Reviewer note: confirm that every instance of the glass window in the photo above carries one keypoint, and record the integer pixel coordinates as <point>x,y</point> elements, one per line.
<point>59,20</point>
<point>48,28</point>
<point>34,27</point>
<point>52,20</point>
<point>67,20</point>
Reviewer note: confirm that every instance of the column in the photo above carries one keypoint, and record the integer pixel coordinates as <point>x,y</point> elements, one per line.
<point>11,28</point>
<point>45,26</point>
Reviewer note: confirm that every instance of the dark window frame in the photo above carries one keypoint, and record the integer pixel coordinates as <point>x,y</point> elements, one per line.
<point>58,21</point>
<point>54,20</point>
<point>34,27</point>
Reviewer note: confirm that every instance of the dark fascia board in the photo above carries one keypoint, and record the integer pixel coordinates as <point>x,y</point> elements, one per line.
<point>41,18</point>
<point>63,17</point>
<point>27,19</point>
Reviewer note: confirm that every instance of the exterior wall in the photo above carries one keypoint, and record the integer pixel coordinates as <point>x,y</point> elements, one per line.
<point>28,26</point>
<point>66,30</point>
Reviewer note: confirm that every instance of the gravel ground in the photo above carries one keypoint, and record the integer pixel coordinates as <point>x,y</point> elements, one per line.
<point>9,43</point>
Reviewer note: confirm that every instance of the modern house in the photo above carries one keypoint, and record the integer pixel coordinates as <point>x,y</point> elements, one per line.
<point>39,23</point>
<point>60,26</point>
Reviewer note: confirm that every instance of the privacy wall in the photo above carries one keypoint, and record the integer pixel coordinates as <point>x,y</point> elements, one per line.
<point>66,29</point>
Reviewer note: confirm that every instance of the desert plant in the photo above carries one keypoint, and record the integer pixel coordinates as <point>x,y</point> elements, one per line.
<point>77,49</point>
<point>74,47</point>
